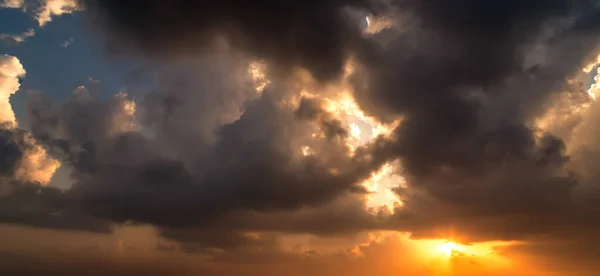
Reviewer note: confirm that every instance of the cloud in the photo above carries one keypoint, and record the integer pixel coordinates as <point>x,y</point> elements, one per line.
<point>17,38</point>
<point>380,253</point>
<point>311,109</point>
<point>213,157</point>
<point>93,81</point>
<point>10,71</point>
<point>50,8</point>
<point>13,4</point>
<point>67,42</point>
<point>317,34</point>
<point>177,151</point>
<point>47,207</point>
<point>470,154</point>
<point>116,162</point>
<point>25,164</point>
<point>43,10</point>
<point>26,160</point>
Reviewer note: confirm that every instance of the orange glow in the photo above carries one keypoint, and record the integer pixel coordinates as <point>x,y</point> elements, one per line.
<point>448,248</point>
<point>257,71</point>
<point>339,102</point>
<point>563,106</point>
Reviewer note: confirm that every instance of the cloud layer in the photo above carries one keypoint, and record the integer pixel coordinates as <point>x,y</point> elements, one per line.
<point>485,105</point>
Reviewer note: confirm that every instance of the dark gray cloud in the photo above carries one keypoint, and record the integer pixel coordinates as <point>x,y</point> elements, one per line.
<point>318,35</point>
<point>60,263</point>
<point>12,146</point>
<point>251,166</point>
<point>29,203</point>
<point>227,174</point>
<point>45,207</point>
<point>208,159</point>
<point>17,150</point>
<point>518,191</point>
<point>460,77</point>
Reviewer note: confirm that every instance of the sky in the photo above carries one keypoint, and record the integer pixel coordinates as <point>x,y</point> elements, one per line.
<point>318,137</point>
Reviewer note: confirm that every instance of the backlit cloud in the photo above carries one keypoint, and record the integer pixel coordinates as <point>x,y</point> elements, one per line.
<point>24,159</point>
<point>339,137</point>
<point>43,10</point>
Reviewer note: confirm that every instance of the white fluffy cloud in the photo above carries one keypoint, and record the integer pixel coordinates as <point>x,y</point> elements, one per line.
<point>52,8</point>
<point>34,164</point>
<point>43,10</point>
<point>11,70</point>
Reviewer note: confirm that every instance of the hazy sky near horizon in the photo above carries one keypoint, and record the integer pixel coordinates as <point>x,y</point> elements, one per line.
<point>326,137</point>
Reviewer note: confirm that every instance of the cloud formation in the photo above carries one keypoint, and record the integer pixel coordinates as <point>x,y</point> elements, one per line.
<point>10,71</point>
<point>43,10</point>
<point>318,35</point>
<point>472,155</point>
<point>67,42</point>
<point>25,165</point>
<point>485,106</point>
<point>16,38</point>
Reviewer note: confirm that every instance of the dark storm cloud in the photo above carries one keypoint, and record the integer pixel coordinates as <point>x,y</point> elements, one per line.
<point>67,264</point>
<point>520,189</point>
<point>460,78</point>
<point>221,175</point>
<point>226,246</point>
<point>30,203</point>
<point>12,146</point>
<point>46,207</point>
<point>443,54</point>
<point>215,160</point>
<point>318,35</point>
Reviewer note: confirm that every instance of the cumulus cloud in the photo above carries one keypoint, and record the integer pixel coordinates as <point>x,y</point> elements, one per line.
<point>235,165</point>
<point>466,101</point>
<point>485,106</point>
<point>10,71</point>
<point>43,10</point>
<point>26,160</point>
<point>316,34</point>
<point>464,146</point>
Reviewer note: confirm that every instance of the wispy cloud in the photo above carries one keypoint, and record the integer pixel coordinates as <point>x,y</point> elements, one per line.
<point>67,42</point>
<point>93,81</point>
<point>17,38</point>
<point>12,4</point>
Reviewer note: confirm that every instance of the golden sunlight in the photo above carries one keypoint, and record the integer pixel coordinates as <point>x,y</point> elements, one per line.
<point>588,67</point>
<point>564,106</point>
<point>258,75</point>
<point>448,248</point>
<point>364,129</point>
<point>124,120</point>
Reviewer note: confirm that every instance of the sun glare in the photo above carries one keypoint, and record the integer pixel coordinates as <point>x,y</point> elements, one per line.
<point>449,248</point>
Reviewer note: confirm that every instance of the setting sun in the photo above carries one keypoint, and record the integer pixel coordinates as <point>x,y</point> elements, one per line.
<point>448,248</point>
<point>321,138</point>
